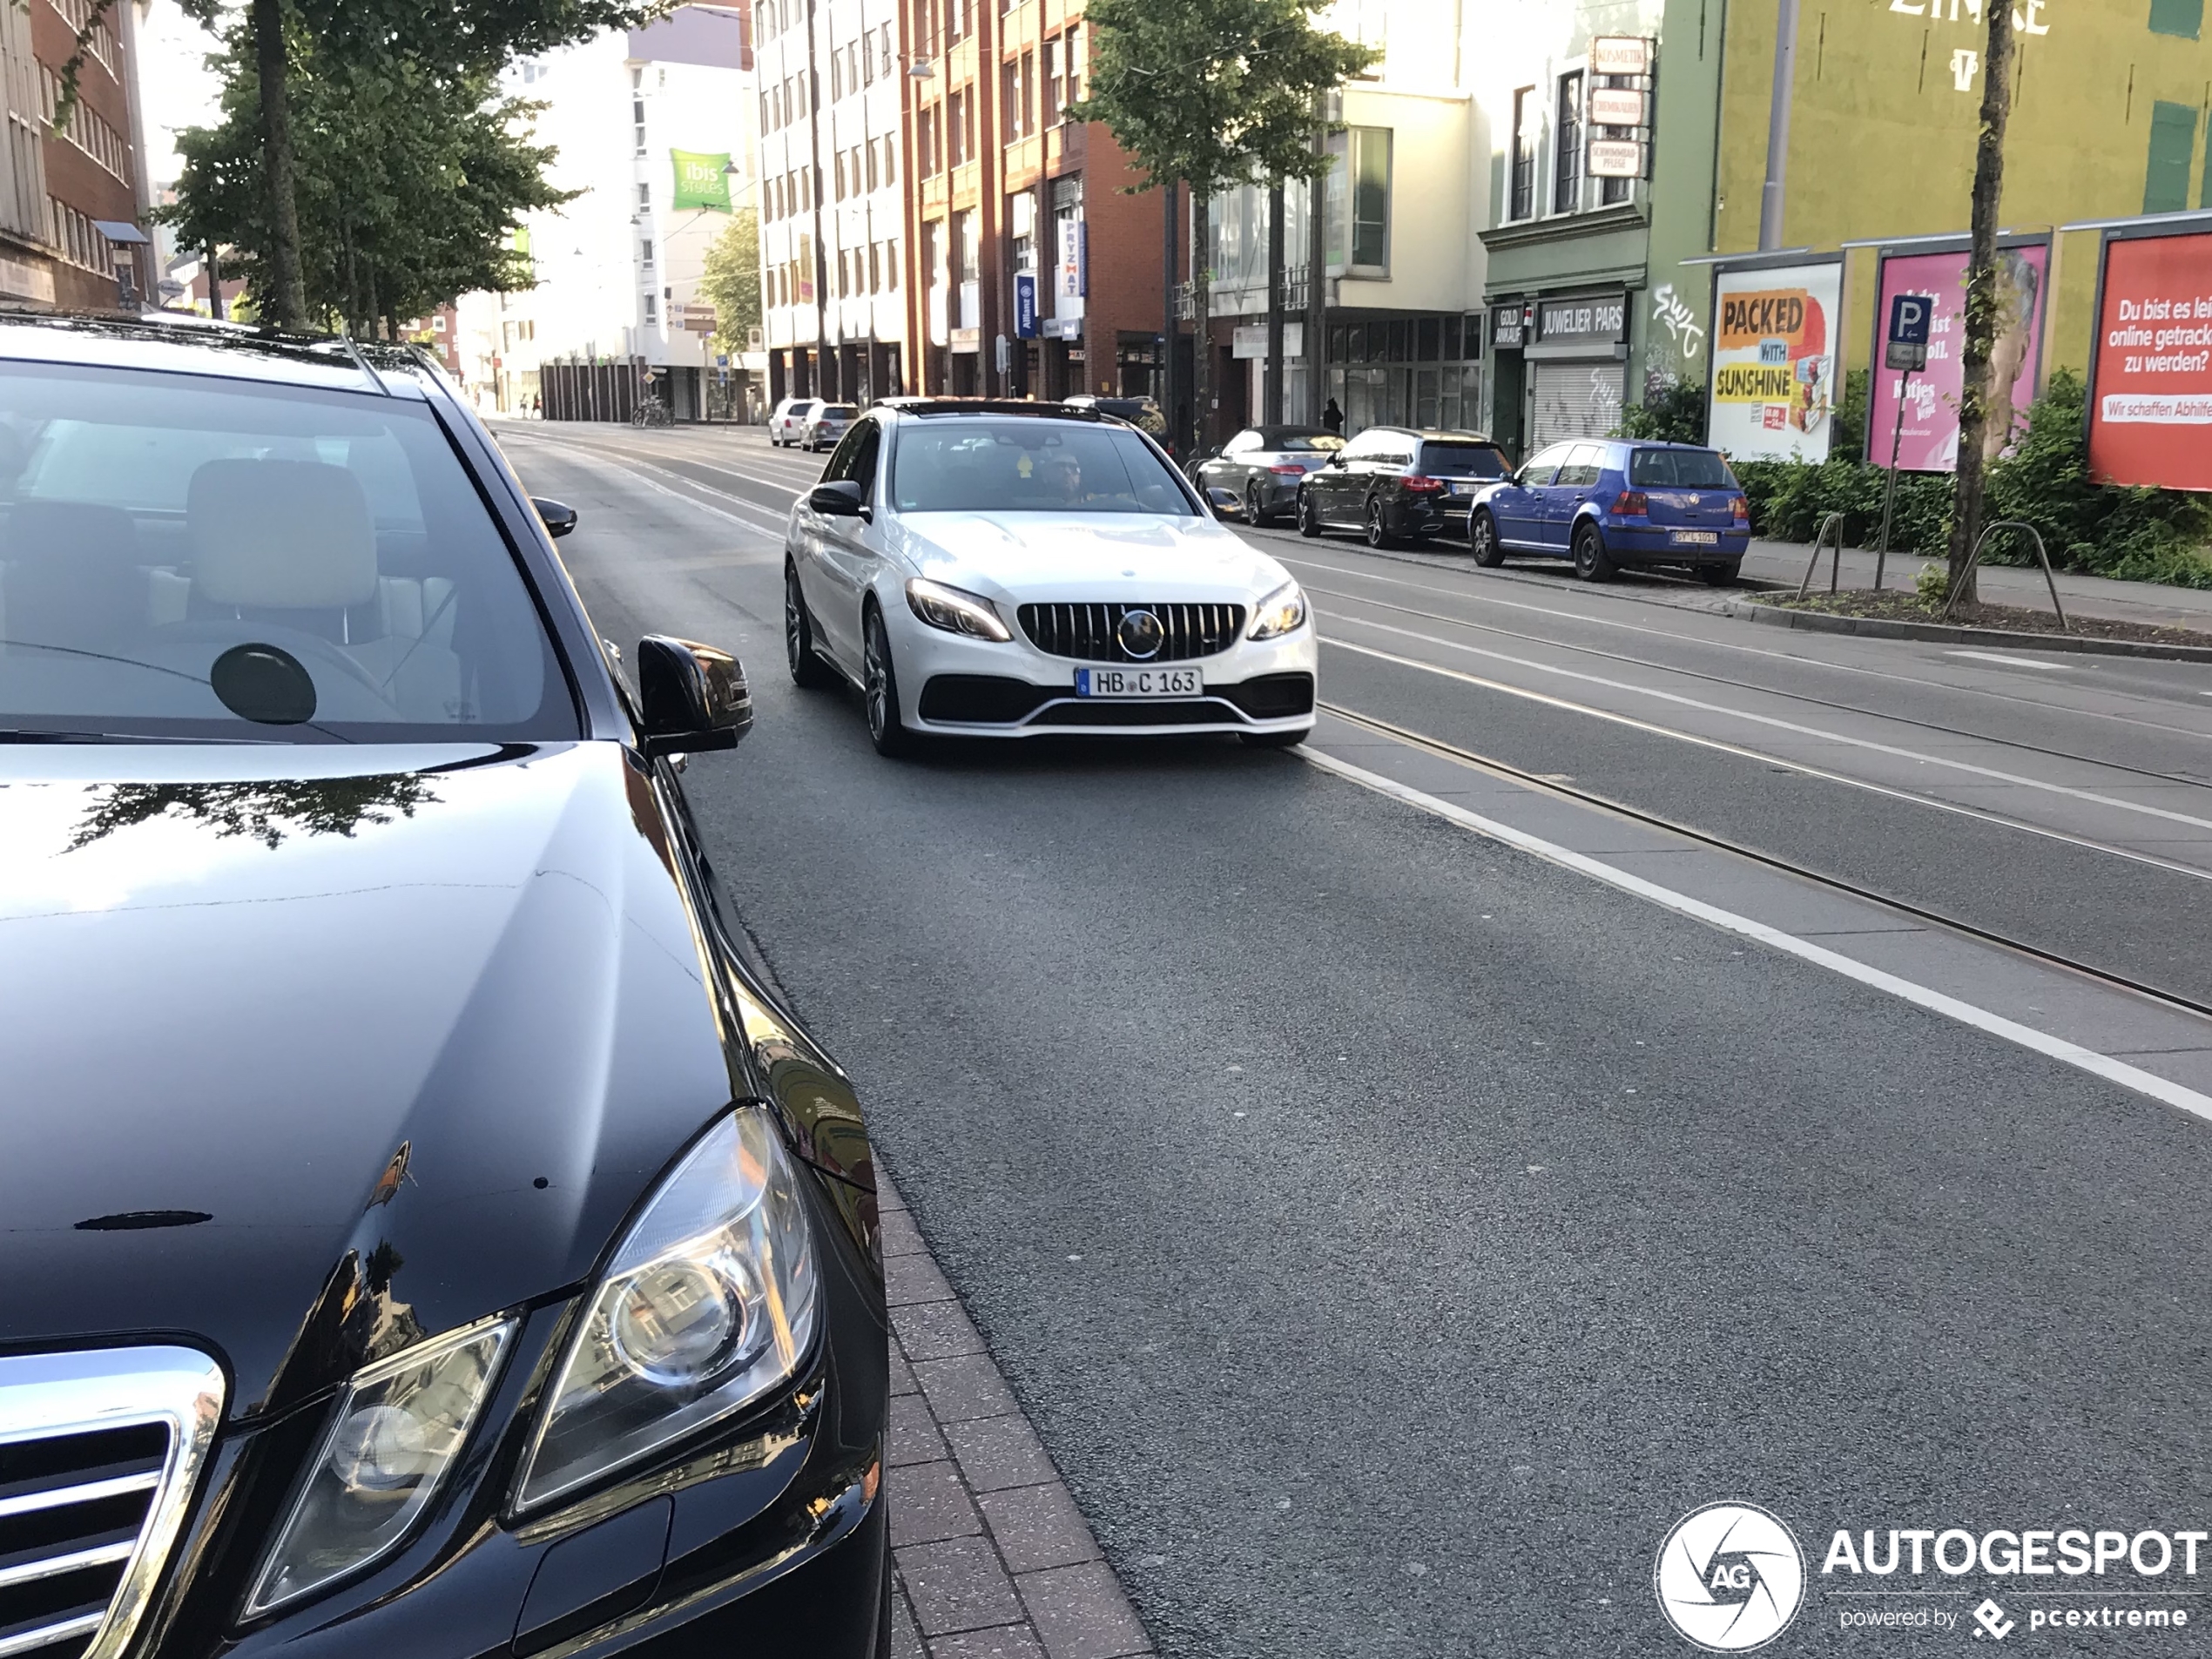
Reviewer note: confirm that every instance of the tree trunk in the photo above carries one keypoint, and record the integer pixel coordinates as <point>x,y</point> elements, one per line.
<point>1982,301</point>
<point>289,302</point>
<point>1271,405</point>
<point>214,283</point>
<point>1201,320</point>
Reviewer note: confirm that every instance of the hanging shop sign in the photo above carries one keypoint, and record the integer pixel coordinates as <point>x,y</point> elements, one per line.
<point>700,181</point>
<point>2150,392</point>
<point>1774,361</point>
<point>1929,440</point>
<point>1622,55</point>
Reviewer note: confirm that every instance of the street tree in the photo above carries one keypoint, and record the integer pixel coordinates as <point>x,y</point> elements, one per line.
<point>732,280</point>
<point>1985,303</point>
<point>1214,93</point>
<point>408,182</point>
<point>469,37</point>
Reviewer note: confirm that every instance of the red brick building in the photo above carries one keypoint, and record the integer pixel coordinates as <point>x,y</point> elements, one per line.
<point>88,172</point>
<point>1000,185</point>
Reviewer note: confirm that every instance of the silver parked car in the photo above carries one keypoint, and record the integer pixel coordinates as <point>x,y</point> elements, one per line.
<point>788,424</point>
<point>825,426</point>
<point>1257,472</point>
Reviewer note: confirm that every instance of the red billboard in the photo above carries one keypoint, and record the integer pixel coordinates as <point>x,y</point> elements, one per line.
<point>2150,414</point>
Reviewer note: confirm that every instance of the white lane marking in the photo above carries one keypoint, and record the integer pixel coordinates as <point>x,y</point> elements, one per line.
<point>615,451</point>
<point>2013,662</point>
<point>1801,660</point>
<point>636,470</point>
<point>1814,732</point>
<point>2042,1043</point>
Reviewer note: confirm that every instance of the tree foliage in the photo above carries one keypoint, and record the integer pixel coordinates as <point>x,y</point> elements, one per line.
<point>1214,93</point>
<point>409,177</point>
<point>732,280</point>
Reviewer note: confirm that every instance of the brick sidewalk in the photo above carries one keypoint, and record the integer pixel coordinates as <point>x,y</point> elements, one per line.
<point>992,1559</point>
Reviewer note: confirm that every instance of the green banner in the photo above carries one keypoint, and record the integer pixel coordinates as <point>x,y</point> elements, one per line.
<point>700,181</point>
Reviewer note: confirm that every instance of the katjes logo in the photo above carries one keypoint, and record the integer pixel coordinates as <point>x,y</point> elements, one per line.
<point>1729,1577</point>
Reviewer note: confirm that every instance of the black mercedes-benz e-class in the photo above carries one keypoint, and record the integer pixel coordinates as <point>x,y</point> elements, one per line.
<point>422,1231</point>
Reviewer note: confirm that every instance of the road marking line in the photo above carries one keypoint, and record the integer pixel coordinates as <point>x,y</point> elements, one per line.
<point>1951,1008</point>
<point>1935,803</point>
<point>636,470</point>
<point>1892,750</point>
<point>2013,662</point>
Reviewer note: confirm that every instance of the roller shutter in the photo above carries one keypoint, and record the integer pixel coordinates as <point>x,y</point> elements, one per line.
<point>1574,399</point>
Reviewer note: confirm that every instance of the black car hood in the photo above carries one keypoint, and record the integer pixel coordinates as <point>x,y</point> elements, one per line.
<point>306,1053</point>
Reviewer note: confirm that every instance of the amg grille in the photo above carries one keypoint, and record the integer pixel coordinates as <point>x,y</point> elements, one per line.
<point>1087,632</point>
<point>98,1454</point>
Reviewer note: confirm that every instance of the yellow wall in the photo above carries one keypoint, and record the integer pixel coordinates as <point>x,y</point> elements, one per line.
<point>1882,138</point>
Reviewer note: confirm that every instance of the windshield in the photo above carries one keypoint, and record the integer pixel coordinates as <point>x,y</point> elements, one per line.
<point>194,557</point>
<point>963,465</point>
<point>1679,469</point>
<point>1462,461</point>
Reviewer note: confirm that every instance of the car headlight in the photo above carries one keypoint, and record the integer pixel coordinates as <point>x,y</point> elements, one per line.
<point>953,610</point>
<point>397,1431</point>
<point>1277,614</point>
<point>708,1304</point>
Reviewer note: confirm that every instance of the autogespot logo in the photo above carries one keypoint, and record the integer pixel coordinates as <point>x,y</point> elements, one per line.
<point>1731,1577</point>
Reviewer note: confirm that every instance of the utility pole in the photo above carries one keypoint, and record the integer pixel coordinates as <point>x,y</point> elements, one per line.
<point>1983,301</point>
<point>1316,273</point>
<point>1777,126</point>
<point>1272,398</point>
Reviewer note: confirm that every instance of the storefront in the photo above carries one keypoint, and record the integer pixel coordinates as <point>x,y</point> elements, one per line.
<point>1574,366</point>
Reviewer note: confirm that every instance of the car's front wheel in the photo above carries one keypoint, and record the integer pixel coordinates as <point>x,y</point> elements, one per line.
<point>1309,516</point>
<point>880,683</point>
<point>1592,562</point>
<point>808,671</point>
<point>1482,540</point>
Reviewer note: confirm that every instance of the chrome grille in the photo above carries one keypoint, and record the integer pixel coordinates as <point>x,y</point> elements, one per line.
<point>1086,631</point>
<point>98,1451</point>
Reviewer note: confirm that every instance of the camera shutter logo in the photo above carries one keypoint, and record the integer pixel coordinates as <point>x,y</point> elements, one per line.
<point>1731,1577</point>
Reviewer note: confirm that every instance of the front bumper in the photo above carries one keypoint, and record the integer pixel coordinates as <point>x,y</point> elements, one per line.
<point>766,1535</point>
<point>966,687</point>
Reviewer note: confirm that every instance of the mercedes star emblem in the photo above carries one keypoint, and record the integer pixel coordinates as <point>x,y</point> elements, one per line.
<point>1140,635</point>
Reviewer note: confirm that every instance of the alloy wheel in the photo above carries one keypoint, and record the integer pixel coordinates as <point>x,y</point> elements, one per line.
<point>1482,540</point>
<point>1377,532</point>
<point>1253,515</point>
<point>1309,516</point>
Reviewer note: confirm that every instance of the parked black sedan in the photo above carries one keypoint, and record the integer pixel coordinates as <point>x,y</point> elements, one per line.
<point>1257,472</point>
<point>426,1233</point>
<point>1392,483</point>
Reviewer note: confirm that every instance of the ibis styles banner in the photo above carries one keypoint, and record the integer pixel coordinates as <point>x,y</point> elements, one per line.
<point>2150,421</point>
<point>1929,441</point>
<point>1774,361</point>
<point>700,181</point>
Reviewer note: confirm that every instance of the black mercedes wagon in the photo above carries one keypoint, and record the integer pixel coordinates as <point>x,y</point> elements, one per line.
<point>422,1229</point>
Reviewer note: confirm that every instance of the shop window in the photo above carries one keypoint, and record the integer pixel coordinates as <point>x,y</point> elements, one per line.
<point>1428,345</point>
<point>1452,353</point>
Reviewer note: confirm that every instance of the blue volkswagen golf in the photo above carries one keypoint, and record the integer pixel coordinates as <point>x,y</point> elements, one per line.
<point>1609,504</point>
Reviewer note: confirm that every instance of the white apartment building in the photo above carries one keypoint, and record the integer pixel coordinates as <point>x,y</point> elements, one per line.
<point>652,129</point>
<point>831,77</point>
<point>1408,192</point>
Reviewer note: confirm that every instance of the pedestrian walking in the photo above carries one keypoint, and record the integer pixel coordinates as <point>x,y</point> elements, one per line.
<point>1332,416</point>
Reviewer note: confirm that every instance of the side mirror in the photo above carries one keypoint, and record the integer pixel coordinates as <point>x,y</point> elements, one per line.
<point>558,517</point>
<point>695,697</point>
<point>840,498</point>
<point>1336,460</point>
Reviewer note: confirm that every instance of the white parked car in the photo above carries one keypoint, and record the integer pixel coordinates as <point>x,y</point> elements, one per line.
<point>1014,570</point>
<point>787,424</point>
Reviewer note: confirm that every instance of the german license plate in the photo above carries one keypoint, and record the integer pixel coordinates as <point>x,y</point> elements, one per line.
<point>1139,681</point>
<point>1463,487</point>
<point>1697,538</point>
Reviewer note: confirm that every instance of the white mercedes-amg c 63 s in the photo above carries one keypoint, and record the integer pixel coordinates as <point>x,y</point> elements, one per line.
<point>1002,570</point>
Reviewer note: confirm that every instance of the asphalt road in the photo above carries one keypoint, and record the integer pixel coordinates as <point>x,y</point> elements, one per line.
<point>1390,1234</point>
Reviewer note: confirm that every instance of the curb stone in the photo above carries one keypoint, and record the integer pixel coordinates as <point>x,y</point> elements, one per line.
<point>1888,628</point>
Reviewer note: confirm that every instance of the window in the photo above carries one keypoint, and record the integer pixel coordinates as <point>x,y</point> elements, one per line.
<point>1566,146</point>
<point>1679,469</point>
<point>1009,96</point>
<point>873,144</point>
<point>645,198</point>
<point>890,163</point>
<point>1462,461</point>
<point>836,75</point>
<point>653,308</point>
<point>1370,174</point>
<point>1028,92</point>
<point>646,253</point>
<point>1540,471</point>
<point>2173,138</point>
<point>978,465</point>
<point>891,265</point>
<point>1050,89</point>
<point>1076,65</point>
<point>2183,17</point>
<point>1583,464</point>
<point>333,525</point>
<point>867,57</point>
<point>956,118</point>
<point>1524,154</point>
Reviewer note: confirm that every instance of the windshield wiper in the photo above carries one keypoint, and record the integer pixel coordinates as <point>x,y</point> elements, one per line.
<point>18,735</point>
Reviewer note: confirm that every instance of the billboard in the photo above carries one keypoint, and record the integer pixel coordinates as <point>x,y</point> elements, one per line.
<point>2150,409</point>
<point>1931,436</point>
<point>700,181</point>
<point>1774,361</point>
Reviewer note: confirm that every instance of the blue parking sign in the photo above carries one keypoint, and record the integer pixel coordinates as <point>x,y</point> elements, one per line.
<point>1910,315</point>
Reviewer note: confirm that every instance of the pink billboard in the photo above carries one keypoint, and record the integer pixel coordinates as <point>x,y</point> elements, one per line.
<point>1931,440</point>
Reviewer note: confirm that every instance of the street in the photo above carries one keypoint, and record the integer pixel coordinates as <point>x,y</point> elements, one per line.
<point>1397,1186</point>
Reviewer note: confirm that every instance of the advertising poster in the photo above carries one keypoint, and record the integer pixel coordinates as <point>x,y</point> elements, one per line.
<point>1930,435</point>
<point>700,181</point>
<point>1774,361</point>
<point>2150,421</point>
